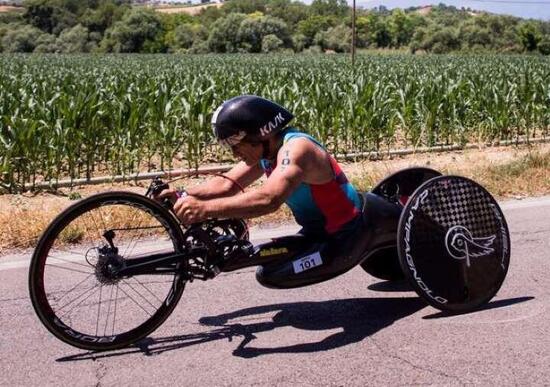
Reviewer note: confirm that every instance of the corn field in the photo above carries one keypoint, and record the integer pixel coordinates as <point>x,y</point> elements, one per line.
<point>80,116</point>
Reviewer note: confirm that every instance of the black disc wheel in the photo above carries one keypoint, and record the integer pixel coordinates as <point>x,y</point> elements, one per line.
<point>73,283</point>
<point>454,244</point>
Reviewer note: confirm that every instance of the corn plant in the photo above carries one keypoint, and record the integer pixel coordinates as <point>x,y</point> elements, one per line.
<point>80,116</point>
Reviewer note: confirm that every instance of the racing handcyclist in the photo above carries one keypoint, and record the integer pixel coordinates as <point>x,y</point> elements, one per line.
<point>300,172</point>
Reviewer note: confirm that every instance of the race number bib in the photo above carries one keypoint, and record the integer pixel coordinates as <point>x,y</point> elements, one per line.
<point>307,262</point>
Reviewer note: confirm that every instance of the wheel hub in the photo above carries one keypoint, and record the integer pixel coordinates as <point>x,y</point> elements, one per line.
<point>106,265</point>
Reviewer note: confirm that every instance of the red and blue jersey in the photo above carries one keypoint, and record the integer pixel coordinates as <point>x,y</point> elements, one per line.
<point>321,208</point>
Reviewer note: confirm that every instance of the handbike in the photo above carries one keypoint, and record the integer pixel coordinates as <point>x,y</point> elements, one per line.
<point>112,267</point>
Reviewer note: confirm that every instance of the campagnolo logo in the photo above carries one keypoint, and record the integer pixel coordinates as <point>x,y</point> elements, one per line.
<point>80,336</point>
<point>461,244</point>
<point>268,128</point>
<point>408,255</point>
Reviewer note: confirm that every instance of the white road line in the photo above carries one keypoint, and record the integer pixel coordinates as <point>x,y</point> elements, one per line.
<point>525,203</point>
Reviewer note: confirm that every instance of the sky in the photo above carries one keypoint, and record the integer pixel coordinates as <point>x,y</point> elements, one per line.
<point>537,9</point>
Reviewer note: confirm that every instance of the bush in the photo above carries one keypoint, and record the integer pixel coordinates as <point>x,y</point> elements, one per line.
<point>337,39</point>
<point>271,43</point>
<point>299,42</point>
<point>313,50</point>
<point>544,46</point>
<point>183,36</point>
<point>74,40</point>
<point>46,43</point>
<point>199,47</point>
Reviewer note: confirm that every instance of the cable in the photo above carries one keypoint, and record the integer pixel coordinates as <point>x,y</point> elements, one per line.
<point>206,174</point>
<point>231,180</point>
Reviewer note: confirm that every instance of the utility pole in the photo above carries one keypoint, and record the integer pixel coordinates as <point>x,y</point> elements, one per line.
<point>353,36</point>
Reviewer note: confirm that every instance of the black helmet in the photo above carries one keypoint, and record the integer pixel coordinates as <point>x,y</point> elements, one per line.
<point>248,117</point>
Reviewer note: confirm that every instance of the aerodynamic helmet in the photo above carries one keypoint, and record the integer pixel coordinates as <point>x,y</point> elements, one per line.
<point>250,118</point>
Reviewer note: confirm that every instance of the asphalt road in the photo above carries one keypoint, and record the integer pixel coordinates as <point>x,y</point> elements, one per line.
<point>353,330</point>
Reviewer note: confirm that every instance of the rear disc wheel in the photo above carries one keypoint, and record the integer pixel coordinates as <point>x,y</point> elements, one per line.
<point>454,244</point>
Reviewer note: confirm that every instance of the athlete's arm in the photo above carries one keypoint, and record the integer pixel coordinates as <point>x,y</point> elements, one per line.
<point>219,187</point>
<point>292,163</point>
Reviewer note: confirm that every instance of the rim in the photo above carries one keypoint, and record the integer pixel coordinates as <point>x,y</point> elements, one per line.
<point>77,294</point>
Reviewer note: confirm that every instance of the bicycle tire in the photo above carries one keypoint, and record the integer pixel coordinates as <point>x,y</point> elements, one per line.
<point>64,327</point>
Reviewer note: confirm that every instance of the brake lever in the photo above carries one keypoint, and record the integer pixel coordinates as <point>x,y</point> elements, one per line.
<point>156,187</point>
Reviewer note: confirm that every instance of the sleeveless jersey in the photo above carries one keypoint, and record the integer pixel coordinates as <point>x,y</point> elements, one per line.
<point>321,208</point>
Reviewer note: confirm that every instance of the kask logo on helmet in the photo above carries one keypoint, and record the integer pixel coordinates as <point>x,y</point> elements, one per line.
<point>271,125</point>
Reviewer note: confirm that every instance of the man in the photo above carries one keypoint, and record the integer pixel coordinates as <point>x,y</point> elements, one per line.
<point>299,170</point>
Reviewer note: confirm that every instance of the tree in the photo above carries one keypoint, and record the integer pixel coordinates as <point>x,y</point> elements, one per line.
<point>138,31</point>
<point>401,28</point>
<point>245,6</point>
<point>291,12</point>
<point>382,35</point>
<point>252,30</point>
<point>475,33</point>
<point>50,16</point>
<point>338,8</point>
<point>529,35</point>
<point>183,36</point>
<point>11,17</point>
<point>224,33</point>
<point>21,39</point>
<point>315,24</point>
<point>210,15</point>
<point>374,30</point>
<point>104,16</point>
<point>75,40</point>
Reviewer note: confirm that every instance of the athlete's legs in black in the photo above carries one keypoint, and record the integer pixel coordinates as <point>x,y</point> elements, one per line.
<point>321,257</point>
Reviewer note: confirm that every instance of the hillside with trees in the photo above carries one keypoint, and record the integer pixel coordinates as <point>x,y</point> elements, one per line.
<point>261,26</point>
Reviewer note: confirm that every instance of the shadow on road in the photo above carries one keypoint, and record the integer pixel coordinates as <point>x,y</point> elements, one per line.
<point>490,305</point>
<point>391,286</point>
<point>356,318</point>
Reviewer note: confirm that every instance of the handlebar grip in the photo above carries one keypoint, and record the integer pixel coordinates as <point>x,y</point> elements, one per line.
<point>167,203</point>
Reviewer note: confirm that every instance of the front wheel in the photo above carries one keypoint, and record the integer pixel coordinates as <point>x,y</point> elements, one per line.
<point>71,282</point>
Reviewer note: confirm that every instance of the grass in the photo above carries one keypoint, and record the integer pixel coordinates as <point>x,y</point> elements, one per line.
<point>526,176</point>
<point>509,172</point>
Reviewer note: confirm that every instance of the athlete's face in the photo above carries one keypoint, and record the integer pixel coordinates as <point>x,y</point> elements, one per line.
<point>250,153</point>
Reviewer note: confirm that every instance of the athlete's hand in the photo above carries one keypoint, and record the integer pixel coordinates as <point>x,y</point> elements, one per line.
<point>169,193</point>
<point>190,210</point>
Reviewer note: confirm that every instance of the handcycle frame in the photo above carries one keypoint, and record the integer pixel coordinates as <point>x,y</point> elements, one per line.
<point>376,236</point>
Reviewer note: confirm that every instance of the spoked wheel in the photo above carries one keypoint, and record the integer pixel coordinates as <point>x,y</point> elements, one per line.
<point>72,283</point>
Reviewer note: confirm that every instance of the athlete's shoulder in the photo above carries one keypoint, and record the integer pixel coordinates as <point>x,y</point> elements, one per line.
<point>297,146</point>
